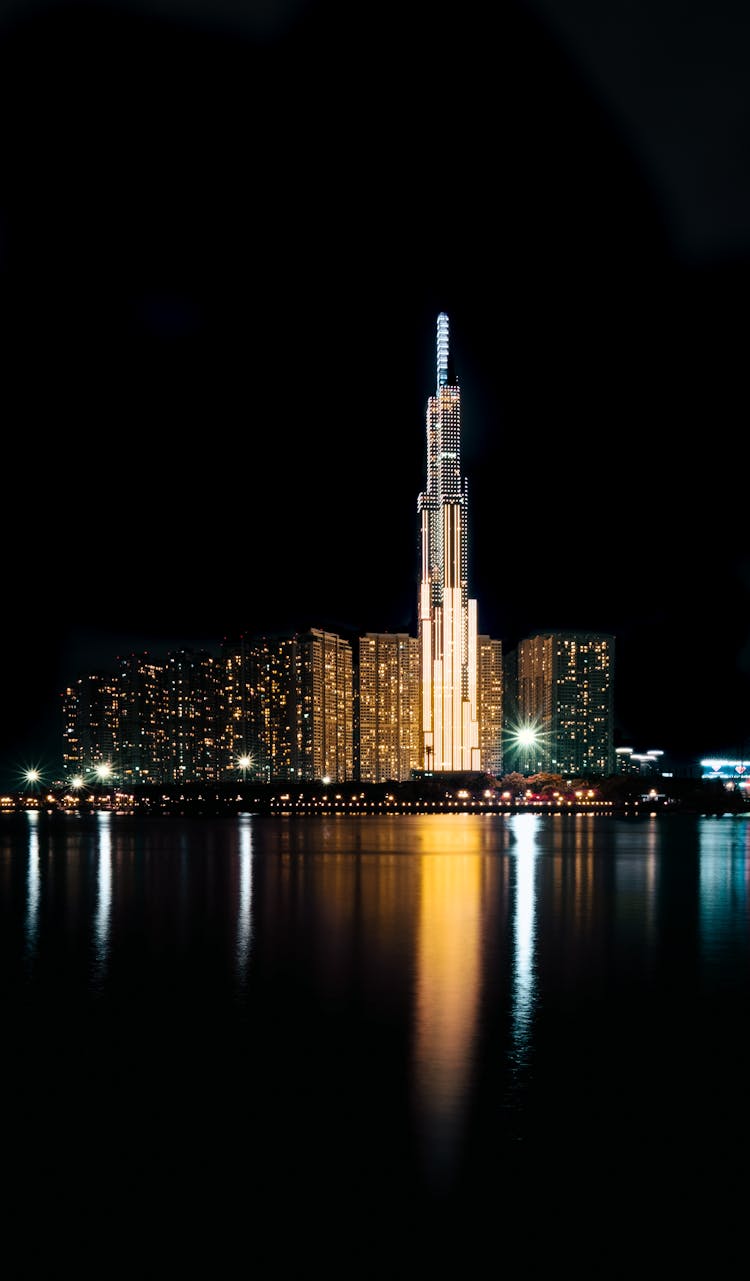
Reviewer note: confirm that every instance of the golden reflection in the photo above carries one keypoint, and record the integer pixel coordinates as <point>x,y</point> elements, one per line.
<point>584,871</point>
<point>449,937</point>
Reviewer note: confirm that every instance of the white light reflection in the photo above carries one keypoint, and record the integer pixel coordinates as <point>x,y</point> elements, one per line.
<point>724,896</point>
<point>524,832</point>
<point>244,909</point>
<point>32,887</point>
<point>103,895</point>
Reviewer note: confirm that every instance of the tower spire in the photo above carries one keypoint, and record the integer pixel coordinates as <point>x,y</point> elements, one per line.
<point>443,350</point>
<point>447,618</point>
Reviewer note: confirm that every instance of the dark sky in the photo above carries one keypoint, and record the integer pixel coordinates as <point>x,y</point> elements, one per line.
<point>225,235</point>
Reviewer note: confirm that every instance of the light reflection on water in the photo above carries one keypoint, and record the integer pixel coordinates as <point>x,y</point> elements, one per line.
<point>524,828</point>
<point>103,898</point>
<point>416,1004</point>
<point>32,888</point>
<point>447,990</point>
<point>724,895</point>
<point>245,898</point>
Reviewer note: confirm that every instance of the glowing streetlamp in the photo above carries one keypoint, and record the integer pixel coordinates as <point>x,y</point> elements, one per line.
<point>525,740</point>
<point>32,783</point>
<point>244,763</point>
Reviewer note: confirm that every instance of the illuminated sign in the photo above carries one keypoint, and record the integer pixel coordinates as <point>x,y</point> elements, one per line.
<point>727,771</point>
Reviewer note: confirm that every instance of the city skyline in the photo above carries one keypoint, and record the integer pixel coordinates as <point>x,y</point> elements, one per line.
<point>378,707</point>
<point>215,359</point>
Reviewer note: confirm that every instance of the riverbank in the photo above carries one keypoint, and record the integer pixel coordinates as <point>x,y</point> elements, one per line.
<point>608,796</point>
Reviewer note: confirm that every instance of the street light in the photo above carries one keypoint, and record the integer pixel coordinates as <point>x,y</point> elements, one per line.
<point>525,740</point>
<point>32,783</point>
<point>244,763</point>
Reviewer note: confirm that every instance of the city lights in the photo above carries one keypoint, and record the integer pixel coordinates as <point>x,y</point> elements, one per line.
<point>525,742</point>
<point>31,778</point>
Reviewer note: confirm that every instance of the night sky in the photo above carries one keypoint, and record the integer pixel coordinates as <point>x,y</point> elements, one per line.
<point>225,235</point>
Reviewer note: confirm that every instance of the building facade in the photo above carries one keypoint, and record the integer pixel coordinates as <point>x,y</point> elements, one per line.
<point>287,708</point>
<point>193,726</point>
<point>490,703</point>
<point>388,707</point>
<point>566,702</point>
<point>258,708</point>
<point>325,729</point>
<point>90,724</point>
<point>447,617</point>
<point>143,754</point>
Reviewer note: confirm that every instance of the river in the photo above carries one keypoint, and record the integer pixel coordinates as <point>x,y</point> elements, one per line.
<point>352,1046</point>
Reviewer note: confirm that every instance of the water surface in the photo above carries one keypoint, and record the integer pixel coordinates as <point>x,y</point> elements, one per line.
<point>382,1043</point>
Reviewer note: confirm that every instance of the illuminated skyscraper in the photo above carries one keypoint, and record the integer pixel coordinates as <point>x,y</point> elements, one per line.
<point>143,750</point>
<point>447,617</point>
<point>259,703</point>
<point>490,703</point>
<point>389,746</point>
<point>287,707</point>
<point>191,682</point>
<point>325,742</point>
<point>91,730</point>
<point>566,693</point>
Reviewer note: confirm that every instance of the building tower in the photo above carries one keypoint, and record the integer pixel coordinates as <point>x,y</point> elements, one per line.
<point>143,748</point>
<point>91,731</point>
<point>388,688</point>
<point>447,618</point>
<point>566,693</point>
<point>325,742</point>
<point>490,703</point>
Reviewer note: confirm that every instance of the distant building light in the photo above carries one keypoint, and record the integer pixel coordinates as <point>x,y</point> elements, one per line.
<point>716,768</point>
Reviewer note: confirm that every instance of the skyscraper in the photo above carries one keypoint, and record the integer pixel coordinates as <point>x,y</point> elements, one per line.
<point>192,688</point>
<point>325,744</point>
<point>447,617</point>
<point>91,724</point>
<point>388,686</point>
<point>566,694</point>
<point>490,703</point>
<point>287,706</point>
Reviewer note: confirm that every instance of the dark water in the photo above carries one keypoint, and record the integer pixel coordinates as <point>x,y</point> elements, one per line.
<point>369,1046</point>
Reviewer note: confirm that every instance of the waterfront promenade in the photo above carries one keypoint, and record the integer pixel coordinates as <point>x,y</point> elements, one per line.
<point>428,795</point>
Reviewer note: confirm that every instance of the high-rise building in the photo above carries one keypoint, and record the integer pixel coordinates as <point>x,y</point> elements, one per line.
<point>287,708</point>
<point>90,724</point>
<point>259,698</point>
<point>388,707</point>
<point>447,616</point>
<point>566,701</point>
<point>324,705</point>
<point>143,750</point>
<point>490,703</point>
<point>191,681</point>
